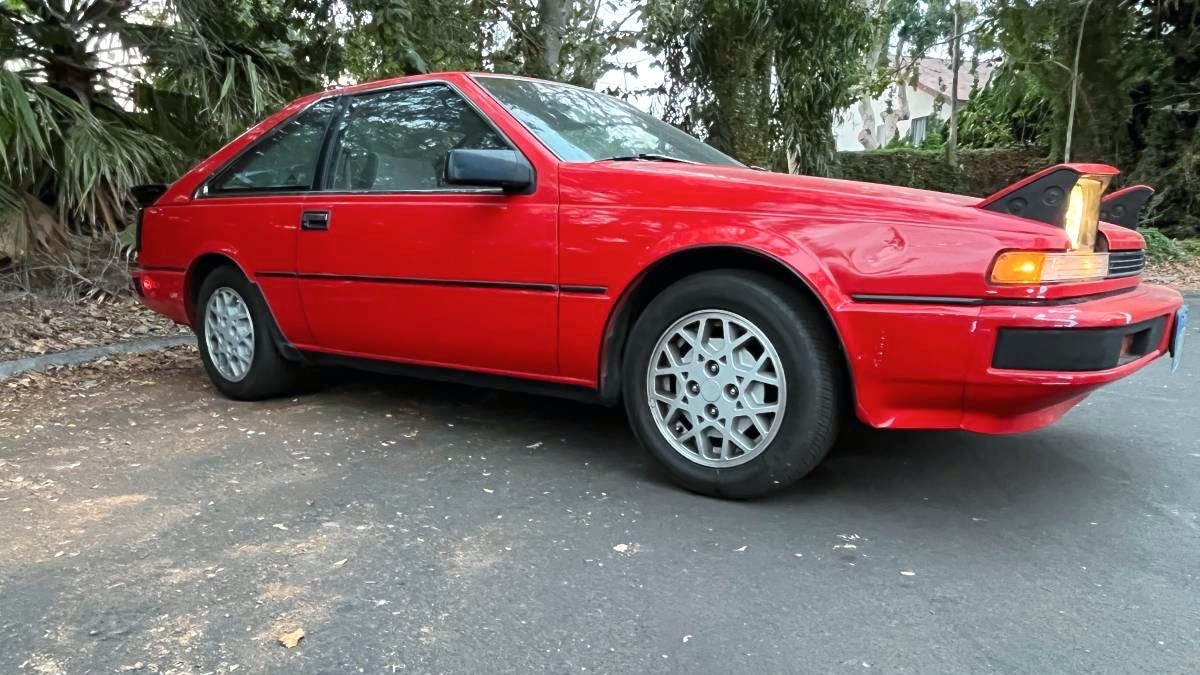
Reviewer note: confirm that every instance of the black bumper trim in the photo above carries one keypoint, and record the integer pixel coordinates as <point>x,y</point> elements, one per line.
<point>1076,349</point>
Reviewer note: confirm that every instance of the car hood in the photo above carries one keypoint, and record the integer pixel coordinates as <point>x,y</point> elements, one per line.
<point>649,184</point>
<point>741,178</point>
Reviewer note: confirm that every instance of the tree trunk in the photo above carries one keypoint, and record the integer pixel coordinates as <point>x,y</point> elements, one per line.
<point>899,108</point>
<point>553,15</point>
<point>1075,84</point>
<point>866,134</point>
<point>955,65</point>
<point>879,41</point>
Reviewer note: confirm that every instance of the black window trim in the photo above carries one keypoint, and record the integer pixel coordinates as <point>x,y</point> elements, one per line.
<point>324,154</point>
<point>204,191</point>
<point>327,149</point>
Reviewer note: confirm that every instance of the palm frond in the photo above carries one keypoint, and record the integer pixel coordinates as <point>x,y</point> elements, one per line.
<point>29,114</point>
<point>102,162</point>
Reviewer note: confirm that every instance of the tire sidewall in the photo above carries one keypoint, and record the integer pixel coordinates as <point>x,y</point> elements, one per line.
<point>261,375</point>
<point>809,419</point>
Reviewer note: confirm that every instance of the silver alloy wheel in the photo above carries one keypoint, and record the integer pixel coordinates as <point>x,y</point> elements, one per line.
<point>716,388</point>
<point>229,333</point>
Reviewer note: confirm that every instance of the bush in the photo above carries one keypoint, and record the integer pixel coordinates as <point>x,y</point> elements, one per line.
<point>1160,247</point>
<point>980,172</point>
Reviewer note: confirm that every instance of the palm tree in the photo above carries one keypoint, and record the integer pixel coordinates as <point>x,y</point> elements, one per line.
<point>97,96</point>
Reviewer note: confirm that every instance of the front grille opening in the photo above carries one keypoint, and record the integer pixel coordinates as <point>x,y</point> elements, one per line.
<point>1138,344</point>
<point>1126,263</point>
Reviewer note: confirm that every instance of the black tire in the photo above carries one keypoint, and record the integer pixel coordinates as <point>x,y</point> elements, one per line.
<point>269,374</point>
<point>809,354</point>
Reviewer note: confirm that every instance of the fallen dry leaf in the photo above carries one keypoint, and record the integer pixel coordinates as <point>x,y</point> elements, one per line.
<point>291,638</point>
<point>33,324</point>
<point>1182,274</point>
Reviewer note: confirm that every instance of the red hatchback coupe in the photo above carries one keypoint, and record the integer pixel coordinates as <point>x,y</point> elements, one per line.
<point>520,232</point>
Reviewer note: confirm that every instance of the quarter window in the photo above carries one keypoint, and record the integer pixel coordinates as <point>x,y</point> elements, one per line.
<point>284,161</point>
<point>397,140</point>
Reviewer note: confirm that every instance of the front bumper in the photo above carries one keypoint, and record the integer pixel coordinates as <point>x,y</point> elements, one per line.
<point>998,368</point>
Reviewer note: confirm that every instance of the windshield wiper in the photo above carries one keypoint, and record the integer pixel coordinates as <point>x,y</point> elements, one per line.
<point>645,157</point>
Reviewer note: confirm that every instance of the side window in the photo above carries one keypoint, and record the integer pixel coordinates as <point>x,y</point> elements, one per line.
<point>286,160</point>
<point>397,140</point>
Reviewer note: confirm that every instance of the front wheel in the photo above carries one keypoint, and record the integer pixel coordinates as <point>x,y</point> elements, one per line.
<point>731,382</point>
<point>236,339</point>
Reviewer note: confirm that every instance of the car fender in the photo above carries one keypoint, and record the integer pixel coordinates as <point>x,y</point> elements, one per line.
<point>771,248</point>
<point>279,295</point>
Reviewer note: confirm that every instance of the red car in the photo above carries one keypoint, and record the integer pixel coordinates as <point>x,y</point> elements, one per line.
<point>524,233</point>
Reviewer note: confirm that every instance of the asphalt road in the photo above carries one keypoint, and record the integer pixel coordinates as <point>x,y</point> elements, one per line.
<point>147,525</point>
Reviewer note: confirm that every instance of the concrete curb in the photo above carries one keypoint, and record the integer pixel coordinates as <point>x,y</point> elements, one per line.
<point>77,356</point>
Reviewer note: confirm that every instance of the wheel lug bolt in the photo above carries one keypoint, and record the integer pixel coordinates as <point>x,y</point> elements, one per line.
<point>713,368</point>
<point>732,390</point>
<point>711,410</point>
<point>693,388</point>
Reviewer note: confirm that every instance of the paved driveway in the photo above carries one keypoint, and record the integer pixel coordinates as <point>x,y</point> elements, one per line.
<point>148,525</point>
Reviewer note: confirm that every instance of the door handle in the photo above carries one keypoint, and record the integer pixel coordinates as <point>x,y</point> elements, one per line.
<point>314,220</point>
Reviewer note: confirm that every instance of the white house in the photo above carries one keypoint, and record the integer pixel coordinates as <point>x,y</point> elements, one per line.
<point>906,113</point>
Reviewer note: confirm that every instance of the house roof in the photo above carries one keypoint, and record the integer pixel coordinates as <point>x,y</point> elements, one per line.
<point>934,76</point>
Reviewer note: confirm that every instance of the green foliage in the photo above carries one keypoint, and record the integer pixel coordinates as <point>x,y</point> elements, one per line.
<point>99,95</point>
<point>1165,119</point>
<point>1138,90</point>
<point>56,145</point>
<point>761,79</point>
<point>406,37</point>
<point>1161,248</point>
<point>1011,111</point>
<point>213,67</point>
<point>818,62</point>
<point>1040,39</point>
<point>718,61</point>
<point>101,161</point>
<point>980,172</point>
<point>565,40</point>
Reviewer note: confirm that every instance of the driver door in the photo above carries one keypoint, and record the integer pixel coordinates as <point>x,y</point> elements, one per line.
<point>396,264</point>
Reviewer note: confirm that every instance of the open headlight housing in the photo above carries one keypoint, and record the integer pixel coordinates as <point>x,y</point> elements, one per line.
<point>1067,196</point>
<point>1082,217</point>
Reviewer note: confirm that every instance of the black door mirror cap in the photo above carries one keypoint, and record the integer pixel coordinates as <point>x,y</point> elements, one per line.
<point>504,169</point>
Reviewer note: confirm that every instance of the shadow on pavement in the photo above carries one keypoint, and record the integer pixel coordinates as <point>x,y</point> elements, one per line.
<point>868,468</point>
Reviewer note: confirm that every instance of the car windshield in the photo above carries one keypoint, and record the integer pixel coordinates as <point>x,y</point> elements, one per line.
<point>580,125</point>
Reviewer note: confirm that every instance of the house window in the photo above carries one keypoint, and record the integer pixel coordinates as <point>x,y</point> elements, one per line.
<point>918,129</point>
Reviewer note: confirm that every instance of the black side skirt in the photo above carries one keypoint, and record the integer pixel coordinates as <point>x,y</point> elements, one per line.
<point>464,377</point>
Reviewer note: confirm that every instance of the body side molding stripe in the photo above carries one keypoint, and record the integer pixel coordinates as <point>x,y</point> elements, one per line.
<point>421,281</point>
<point>974,302</point>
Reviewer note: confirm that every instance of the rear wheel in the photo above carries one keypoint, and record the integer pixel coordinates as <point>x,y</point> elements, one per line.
<point>731,382</point>
<point>237,338</point>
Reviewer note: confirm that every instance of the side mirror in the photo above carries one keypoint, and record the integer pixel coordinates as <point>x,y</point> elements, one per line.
<point>506,169</point>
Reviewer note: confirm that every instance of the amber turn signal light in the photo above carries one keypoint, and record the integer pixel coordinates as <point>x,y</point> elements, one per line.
<point>1041,267</point>
<point>1018,267</point>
